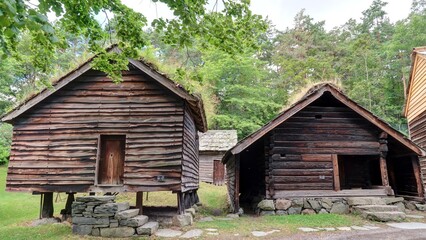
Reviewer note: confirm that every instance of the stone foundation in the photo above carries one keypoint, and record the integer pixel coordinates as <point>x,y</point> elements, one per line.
<point>102,216</point>
<point>326,205</point>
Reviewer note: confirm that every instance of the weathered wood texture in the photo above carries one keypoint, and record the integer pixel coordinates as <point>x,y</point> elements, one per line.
<point>302,148</point>
<point>231,184</point>
<point>207,159</point>
<point>55,143</point>
<point>417,128</point>
<point>190,161</point>
<point>406,183</point>
<point>416,103</point>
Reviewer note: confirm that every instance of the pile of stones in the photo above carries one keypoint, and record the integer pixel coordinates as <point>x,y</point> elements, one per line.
<point>303,206</point>
<point>102,216</point>
<point>373,208</point>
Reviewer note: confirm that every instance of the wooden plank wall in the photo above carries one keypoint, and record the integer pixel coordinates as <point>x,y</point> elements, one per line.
<point>417,128</point>
<point>302,147</point>
<point>416,102</point>
<point>190,160</point>
<point>206,165</point>
<point>416,112</point>
<point>55,144</point>
<point>231,184</point>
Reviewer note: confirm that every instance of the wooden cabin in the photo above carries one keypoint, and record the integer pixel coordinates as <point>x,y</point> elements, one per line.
<point>88,134</point>
<point>415,106</point>
<point>325,145</point>
<point>213,145</point>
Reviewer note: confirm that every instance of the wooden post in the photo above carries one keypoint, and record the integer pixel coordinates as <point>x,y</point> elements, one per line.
<point>66,213</point>
<point>384,171</point>
<point>197,199</point>
<point>336,176</point>
<point>139,202</point>
<point>181,208</point>
<point>237,183</point>
<point>416,169</point>
<point>383,153</point>
<point>47,210</point>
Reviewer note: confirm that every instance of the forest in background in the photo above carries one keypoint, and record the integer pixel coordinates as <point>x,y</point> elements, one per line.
<point>369,58</point>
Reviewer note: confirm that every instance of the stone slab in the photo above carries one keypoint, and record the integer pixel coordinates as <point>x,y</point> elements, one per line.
<point>211,229</point>
<point>194,233</point>
<point>137,221</point>
<point>392,200</point>
<point>126,214</point>
<point>385,216</point>
<point>121,232</point>
<point>414,216</point>
<point>168,233</point>
<point>344,228</point>
<point>339,208</point>
<point>90,221</point>
<point>103,199</point>
<point>282,204</point>
<point>308,229</point>
<point>371,227</point>
<point>206,219</point>
<point>267,205</point>
<point>359,228</point>
<point>182,220</point>
<point>262,234</point>
<point>354,201</point>
<point>82,229</point>
<point>148,228</point>
<point>408,225</point>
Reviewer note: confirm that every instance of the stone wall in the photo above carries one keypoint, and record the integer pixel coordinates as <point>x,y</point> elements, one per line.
<point>322,205</point>
<point>102,216</point>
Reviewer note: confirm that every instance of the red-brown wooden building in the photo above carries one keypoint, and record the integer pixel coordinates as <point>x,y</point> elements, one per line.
<point>88,134</point>
<point>325,145</point>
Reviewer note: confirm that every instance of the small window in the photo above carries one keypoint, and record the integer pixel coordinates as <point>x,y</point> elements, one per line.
<point>318,116</point>
<point>111,159</point>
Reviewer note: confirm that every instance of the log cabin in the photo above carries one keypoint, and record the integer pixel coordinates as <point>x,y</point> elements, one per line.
<point>324,145</point>
<point>213,145</point>
<point>415,105</point>
<point>88,134</point>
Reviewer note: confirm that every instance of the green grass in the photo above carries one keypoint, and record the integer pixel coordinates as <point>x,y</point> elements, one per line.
<point>288,223</point>
<point>18,210</point>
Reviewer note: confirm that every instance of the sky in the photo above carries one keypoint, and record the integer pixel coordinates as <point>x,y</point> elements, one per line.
<point>282,12</point>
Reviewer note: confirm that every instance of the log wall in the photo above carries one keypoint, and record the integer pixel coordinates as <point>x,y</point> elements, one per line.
<point>55,143</point>
<point>301,148</point>
<point>206,165</point>
<point>416,109</point>
<point>417,128</point>
<point>190,162</point>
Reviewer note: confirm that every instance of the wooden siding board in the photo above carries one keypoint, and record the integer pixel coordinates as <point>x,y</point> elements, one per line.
<point>60,136</point>
<point>415,101</point>
<point>302,160</point>
<point>190,157</point>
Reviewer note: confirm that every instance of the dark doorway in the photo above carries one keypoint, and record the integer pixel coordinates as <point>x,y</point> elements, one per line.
<point>218,172</point>
<point>111,161</point>
<point>359,171</point>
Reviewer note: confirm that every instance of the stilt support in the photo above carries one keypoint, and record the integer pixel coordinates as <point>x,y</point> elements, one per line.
<point>139,202</point>
<point>47,208</point>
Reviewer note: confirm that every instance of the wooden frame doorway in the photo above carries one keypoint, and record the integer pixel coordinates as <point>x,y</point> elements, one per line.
<point>111,155</point>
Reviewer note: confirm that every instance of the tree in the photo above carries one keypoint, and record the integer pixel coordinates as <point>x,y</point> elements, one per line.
<point>231,29</point>
<point>303,54</point>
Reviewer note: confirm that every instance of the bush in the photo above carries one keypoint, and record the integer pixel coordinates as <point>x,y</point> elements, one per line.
<point>5,142</point>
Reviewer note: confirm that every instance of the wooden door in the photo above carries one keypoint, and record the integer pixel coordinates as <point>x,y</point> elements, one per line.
<point>218,172</point>
<point>111,162</point>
